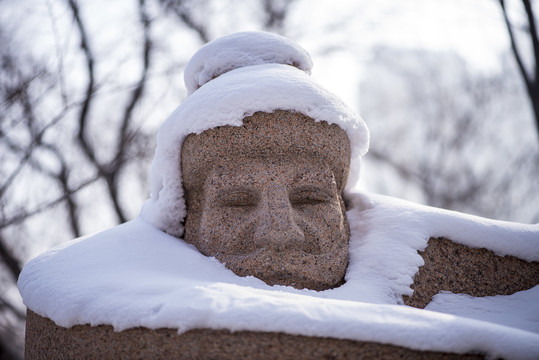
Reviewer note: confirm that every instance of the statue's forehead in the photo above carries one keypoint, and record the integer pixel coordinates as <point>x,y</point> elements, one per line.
<point>276,129</point>
<point>270,134</point>
<point>273,136</point>
<point>298,170</point>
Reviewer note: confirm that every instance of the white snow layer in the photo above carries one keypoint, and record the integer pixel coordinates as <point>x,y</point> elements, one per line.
<point>240,50</point>
<point>504,310</point>
<point>135,275</point>
<point>226,100</point>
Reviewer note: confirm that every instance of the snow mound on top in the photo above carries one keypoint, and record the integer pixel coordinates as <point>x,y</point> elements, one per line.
<point>227,100</point>
<point>239,50</point>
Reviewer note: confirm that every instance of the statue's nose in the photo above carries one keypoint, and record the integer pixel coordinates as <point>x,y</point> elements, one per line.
<point>276,226</point>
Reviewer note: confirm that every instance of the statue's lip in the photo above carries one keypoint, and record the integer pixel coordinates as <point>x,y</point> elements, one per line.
<point>273,251</point>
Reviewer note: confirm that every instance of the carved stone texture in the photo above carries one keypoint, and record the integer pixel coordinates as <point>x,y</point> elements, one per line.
<point>46,340</point>
<point>477,272</point>
<point>265,198</point>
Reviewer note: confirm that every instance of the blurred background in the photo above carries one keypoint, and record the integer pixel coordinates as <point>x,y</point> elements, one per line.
<point>448,89</point>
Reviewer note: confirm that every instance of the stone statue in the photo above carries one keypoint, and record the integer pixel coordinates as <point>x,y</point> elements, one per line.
<point>251,188</point>
<point>266,198</point>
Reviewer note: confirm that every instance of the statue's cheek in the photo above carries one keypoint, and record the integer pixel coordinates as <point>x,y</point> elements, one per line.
<point>324,228</point>
<point>228,231</point>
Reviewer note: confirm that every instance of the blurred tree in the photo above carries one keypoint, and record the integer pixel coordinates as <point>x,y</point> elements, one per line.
<point>455,132</point>
<point>530,76</point>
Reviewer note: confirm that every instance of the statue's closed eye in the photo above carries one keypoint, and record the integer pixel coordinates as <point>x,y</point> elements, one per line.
<point>309,195</point>
<point>237,198</point>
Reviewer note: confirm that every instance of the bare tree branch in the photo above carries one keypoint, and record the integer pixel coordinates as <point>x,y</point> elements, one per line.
<point>516,52</point>
<point>110,171</point>
<point>10,348</point>
<point>26,214</point>
<point>136,94</point>
<point>62,177</point>
<point>9,259</point>
<point>530,80</point>
<point>124,137</point>
<point>28,152</point>
<point>382,156</point>
<point>13,309</point>
<point>182,9</point>
<point>275,13</point>
<point>59,53</point>
<point>533,33</point>
<point>88,54</point>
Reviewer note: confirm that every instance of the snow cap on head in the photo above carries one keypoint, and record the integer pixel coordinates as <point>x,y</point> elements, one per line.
<point>260,82</point>
<point>239,50</point>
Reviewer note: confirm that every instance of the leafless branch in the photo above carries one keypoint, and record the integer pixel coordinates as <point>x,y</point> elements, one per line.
<point>88,54</point>
<point>383,156</point>
<point>275,14</point>
<point>136,94</point>
<point>36,140</point>
<point>26,214</point>
<point>516,52</point>
<point>111,170</point>
<point>9,259</point>
<point>124,137</point>
<point>182,9</point>
<point>62,177</point>
<point>532,33</point>
<point>59,53</point>
<point>530,80</point>
<point>13,309</point>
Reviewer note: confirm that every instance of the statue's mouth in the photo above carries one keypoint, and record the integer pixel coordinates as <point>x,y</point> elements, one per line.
<point>294,268</point>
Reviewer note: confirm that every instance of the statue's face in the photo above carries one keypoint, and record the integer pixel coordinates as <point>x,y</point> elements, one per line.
<point>271,212</point>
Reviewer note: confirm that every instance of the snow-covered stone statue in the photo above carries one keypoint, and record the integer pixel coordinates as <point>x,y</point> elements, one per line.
<point>266,198</point>
<point>253,245</point>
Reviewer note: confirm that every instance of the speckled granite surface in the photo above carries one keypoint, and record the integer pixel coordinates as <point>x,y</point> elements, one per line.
<point>45,340</point>
<point>478,272</point>
<point>265,198</point>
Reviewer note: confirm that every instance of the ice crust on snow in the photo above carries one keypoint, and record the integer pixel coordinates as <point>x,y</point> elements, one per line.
<point>135,275</point>
<point>240,50</point>
<point>226,100</point>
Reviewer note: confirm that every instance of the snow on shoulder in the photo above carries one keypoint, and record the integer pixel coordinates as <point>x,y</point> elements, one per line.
<point>258,79</point>
<point>135,275</point>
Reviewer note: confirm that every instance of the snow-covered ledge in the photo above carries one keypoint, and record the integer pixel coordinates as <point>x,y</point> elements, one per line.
<point>136,276</point>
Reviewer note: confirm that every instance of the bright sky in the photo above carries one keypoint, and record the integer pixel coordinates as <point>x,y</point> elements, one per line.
<point>344,29</point>
<point>473,29</point>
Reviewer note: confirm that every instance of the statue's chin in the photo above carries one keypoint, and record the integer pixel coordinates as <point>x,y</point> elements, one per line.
<point>294,268</point>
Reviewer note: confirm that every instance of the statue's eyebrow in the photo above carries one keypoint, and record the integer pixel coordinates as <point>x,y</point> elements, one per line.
<point>307,175</point>
<point>237,195</point>
<point>312,193</point>
<point>236,189</point>
<point>226,178</point>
